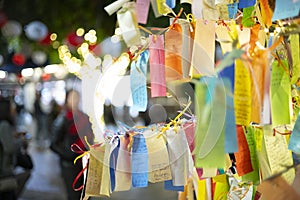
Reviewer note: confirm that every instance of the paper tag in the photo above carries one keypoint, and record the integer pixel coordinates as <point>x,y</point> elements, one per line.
<point>187,46</point>
<point>246,3</point>
<point>227,75</point>
<point>280,93</point>
<point>202,189</point>
<point>115,6</point>
<point>285,9</point>
<point>162,9</point>
<point>139,161</point>
<point>242,94</point>
<point>278,154</point>
<point>224,39</point>
<point>221,186</point>
<point>258,68</point>
<point>138,82</point>
<point>142,10</point>
<point>294,43</point>
<point>168,185</point>
<point>171,3</point>
<point>158,158</point>
<point>232,10</point>
<point>203,57</point>
<point>128,23</point>
<point>173,53</point>
<point>157,66</point>
<point>105,184</point>
<point>242,157</point>
<point>254,175</point>
<point>248,16</point>
<point>178,154</point>
<point>223,11</point>
<point>94,175</point>
<point>209,10</point>
<point>210,108</point>
<point>155,9</point>
<point>114,152</point>
<point>294,144</point>
<point>123,169</point>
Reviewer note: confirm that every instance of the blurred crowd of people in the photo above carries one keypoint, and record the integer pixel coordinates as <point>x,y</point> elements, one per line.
<point>57,129</point>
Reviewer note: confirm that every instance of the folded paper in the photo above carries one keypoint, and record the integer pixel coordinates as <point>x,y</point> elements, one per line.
<point>128,23</point>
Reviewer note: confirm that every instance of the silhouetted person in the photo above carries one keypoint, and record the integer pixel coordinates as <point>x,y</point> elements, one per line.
<point>69,128</point>
<point>13,152</point>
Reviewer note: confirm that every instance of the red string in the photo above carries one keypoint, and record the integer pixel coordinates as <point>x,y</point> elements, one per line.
<point>285,133</point>
<point>77,149</point>
<point>77,178</point>
<point>177,16</point>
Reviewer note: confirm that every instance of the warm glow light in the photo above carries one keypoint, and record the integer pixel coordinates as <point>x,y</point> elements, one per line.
<point>51,69</point>
<point>53,36</point>
<point>2,74</point>
<point>92,32</point>
<point>80,32</point>
<point>27,72</point>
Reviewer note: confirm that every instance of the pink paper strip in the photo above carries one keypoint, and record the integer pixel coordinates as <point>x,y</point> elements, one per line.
<point>157,66</point>
<point>142,9</point>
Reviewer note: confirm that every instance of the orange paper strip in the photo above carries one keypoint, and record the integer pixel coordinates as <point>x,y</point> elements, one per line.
<point>242,157</point>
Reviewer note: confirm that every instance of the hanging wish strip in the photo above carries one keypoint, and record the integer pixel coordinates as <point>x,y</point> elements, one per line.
<point>242,157</point>
<point>114,153</point>
<point>139,161</point>
<point>158,158</point>
<point>173,53</point>
<point>211,112</point>
<point>203,57</point>
<point>138,82</point>
<point>179,157</point>
<point>94,175</point>
<point>128,23</point>
<point>280,93</point>
<point>142,10</point>
<point>294,144</point>
<point>157,65</point>
<point>123,168</point>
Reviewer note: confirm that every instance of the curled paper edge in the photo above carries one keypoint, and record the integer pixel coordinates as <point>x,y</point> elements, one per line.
<point>115,6</point>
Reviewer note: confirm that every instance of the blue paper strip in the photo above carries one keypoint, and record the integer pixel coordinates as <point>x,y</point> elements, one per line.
<point>231,144</point>
<point>138,82</point>
<point>285,9</point>
<point>139,162</point>
<point>168,185</point>
<point>246,3</point>
<point>171,3</point>
<point>294,144</point>
<point>228,72</point>
<point>232,10</point>
<point>113,164</point>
